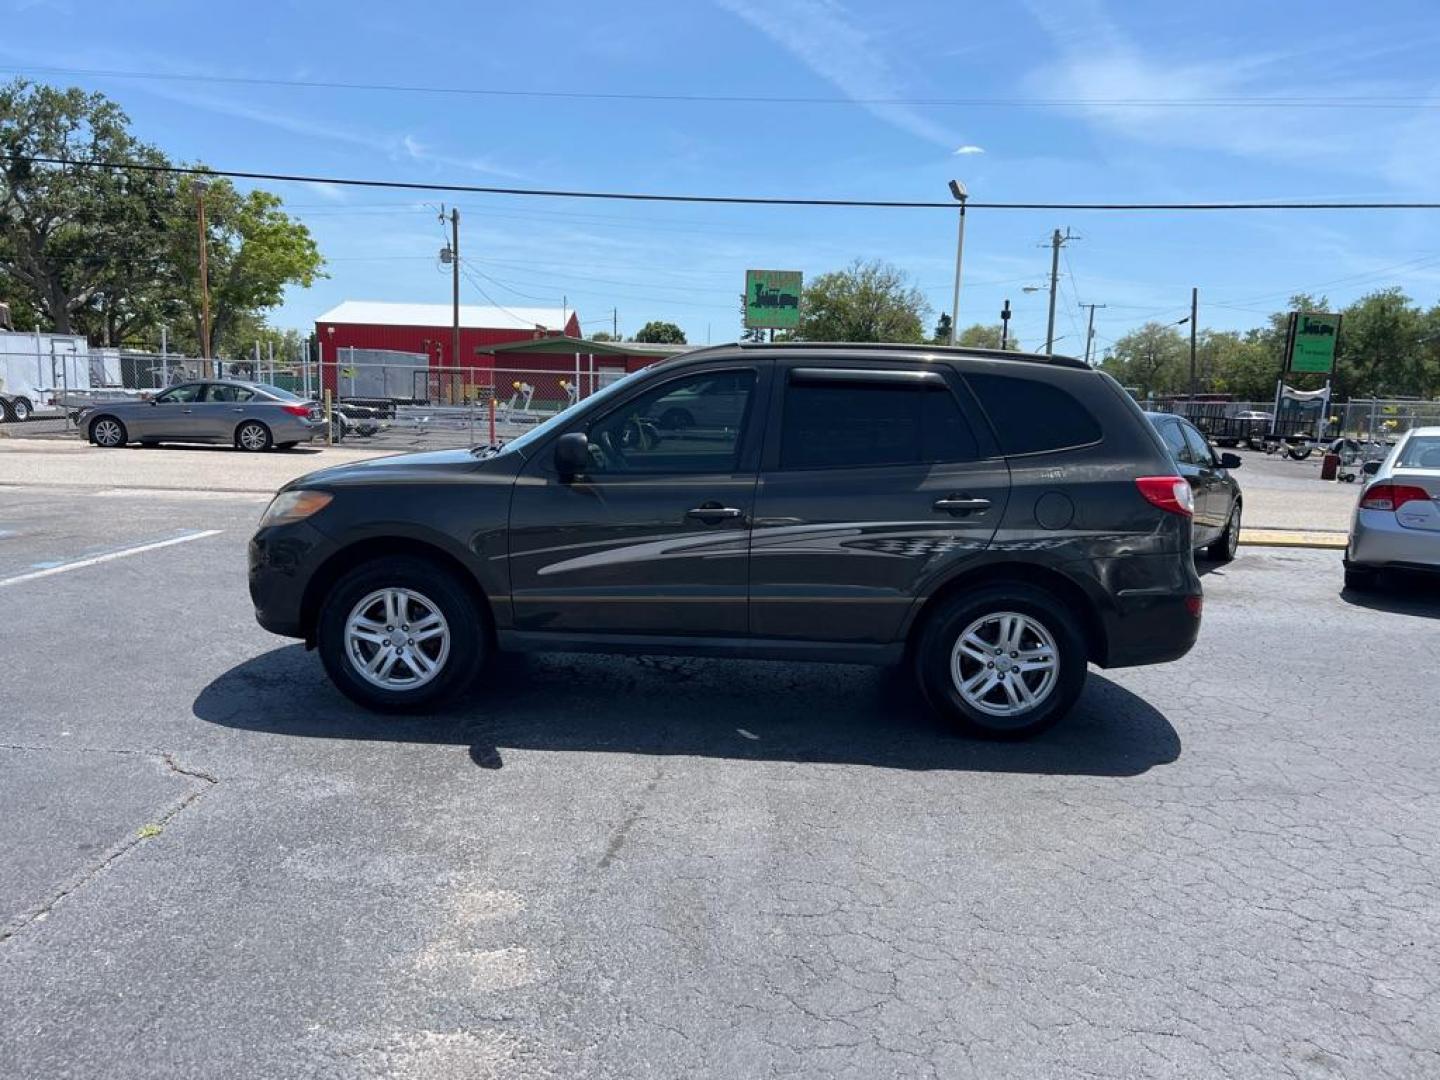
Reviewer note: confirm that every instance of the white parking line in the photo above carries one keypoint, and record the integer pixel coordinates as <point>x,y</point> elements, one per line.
<point>107,557</point>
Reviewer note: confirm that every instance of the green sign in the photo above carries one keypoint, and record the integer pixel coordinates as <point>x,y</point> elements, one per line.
<point>1312,340</point>
<point>772,299</point>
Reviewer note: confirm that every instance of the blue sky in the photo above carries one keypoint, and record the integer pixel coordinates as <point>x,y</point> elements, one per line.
<point>685,263</point>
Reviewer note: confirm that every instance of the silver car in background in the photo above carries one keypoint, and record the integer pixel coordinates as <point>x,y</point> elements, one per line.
<point>1397,520</point>
<point>246,415</point>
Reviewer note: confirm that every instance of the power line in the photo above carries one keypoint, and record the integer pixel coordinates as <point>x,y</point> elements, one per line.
<point>1410,101</point>
<point>739,200</point>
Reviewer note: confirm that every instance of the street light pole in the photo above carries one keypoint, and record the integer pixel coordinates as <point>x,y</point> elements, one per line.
<point>200,187</point>
<point>957,189</point>
<point>1194,320</point>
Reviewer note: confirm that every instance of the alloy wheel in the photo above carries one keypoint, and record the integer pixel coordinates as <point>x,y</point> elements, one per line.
<point>107,433</point>
<point>397,639</point>
<point>1005,664</point>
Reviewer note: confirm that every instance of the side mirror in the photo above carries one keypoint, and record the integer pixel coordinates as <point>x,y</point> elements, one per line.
<point>1230,461</point>
<point>1370,468</point>
<point>572,455</point>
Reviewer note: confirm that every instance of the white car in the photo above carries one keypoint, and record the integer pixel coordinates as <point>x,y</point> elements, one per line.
<point>1397,519</point>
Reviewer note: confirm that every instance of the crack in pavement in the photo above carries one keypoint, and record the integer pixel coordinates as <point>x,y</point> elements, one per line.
<point>42,911</point>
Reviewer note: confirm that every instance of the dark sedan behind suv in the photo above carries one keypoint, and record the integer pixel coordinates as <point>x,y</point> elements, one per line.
<point>998,521</point>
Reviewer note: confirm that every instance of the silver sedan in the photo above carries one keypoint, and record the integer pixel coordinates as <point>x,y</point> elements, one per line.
<point>1397,519</point>
<point>248,416</point>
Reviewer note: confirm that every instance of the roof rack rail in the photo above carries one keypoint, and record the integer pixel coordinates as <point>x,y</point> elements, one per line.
<point>900,346</point>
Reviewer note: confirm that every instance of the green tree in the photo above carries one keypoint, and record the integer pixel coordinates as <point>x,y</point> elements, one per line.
<point>254,251</point>
<point>942,330</point>
<point>981,336</point>
<point>664,333</point>
<point>1236,364</point>
<point>867,301</point>
<point>1153,360</point>
<point>603,335</point>
<point>1381,353</point>
<point>71,237</point>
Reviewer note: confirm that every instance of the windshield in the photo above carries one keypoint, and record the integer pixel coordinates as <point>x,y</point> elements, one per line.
<point>1421,452</point>
<point>563,417</point>
<point>275,391</point>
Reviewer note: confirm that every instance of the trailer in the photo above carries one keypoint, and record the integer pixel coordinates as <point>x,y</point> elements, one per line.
<point>39,371</point>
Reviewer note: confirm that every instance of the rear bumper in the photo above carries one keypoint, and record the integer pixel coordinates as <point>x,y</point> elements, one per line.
<point>297,429</point>
<point>1377,539</point>
<point>1154,612</point>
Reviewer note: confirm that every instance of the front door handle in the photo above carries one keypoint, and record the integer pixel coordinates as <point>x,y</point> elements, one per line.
<point>960,504</point>
<point>712,513</point>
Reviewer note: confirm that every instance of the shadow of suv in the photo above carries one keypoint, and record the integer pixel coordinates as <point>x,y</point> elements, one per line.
<point>997,520</point>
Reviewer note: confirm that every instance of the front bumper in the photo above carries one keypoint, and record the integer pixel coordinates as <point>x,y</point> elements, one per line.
<point>1377,539</point>
<point>282,560</point>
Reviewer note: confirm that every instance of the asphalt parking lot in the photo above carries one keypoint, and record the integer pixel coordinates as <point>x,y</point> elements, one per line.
<point>215,866</point>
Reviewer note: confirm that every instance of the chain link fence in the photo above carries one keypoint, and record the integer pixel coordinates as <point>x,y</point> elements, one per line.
<point>385,400</point>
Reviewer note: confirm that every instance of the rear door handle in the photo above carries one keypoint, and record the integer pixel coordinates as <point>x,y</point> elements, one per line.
<point>958,504</point>
<point>712,513</point>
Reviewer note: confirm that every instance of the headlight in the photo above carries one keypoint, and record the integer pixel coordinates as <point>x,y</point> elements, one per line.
<point>292,506</point>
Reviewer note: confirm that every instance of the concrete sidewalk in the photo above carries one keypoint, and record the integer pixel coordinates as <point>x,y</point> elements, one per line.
<point>57,464</point>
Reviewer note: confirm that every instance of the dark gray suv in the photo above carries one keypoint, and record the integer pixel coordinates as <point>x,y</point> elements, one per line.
<point>999,521</point>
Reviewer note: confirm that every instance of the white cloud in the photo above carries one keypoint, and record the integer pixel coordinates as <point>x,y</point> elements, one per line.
<point>970,148</point>
<point>827,40</point>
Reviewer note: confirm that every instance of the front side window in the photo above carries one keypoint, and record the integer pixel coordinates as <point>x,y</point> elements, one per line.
<point>688,425</point>
<point>830,425</point>
<point>179,394</point>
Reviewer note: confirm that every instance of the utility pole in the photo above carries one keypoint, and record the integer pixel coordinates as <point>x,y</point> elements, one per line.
<point>1090,330</point>
<point>200,187</point>
<point>615,323</point>
<point>454,283</point>
<point>1005,326</point>
<point>1057,241</point>
<point>1194,318</point>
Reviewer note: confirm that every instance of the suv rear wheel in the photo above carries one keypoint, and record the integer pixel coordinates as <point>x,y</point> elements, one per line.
<point>400,635</point>
<point>1004,661</point>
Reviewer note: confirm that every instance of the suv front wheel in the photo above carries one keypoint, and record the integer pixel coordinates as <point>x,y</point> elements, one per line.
<point>1004,661</point>
<point>400,635</point>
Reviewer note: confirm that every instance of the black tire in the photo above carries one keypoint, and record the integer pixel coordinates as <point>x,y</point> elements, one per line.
<point>1300,453</point>
<point>1222,549</point>
<point>468,648</point>
<point>1361,579</point>
<point>254,436</point>
<point>108,432</point>
<point>18,410</point>
<point>944,628</point>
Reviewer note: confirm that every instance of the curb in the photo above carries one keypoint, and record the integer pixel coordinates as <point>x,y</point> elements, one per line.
<point>1288,538</point>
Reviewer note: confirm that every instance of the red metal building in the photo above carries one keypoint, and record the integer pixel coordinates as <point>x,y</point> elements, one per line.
<point>426,328</point>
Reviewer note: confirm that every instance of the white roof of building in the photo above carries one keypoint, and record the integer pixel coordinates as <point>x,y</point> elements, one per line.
<point>472,316</point>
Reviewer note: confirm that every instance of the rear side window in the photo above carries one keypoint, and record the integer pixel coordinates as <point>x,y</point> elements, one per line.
<point>853,425</point>
<point>1031,417</point>
<point>1174,440</point>
<point>1200,451</point>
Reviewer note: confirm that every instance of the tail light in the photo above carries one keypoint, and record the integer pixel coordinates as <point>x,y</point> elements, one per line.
<point>1388,496</point>
<point>1170,493</point>
<point>297,410</point>
<point>1195,605</point>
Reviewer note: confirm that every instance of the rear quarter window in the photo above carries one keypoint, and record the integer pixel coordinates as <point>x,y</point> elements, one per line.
<point>1032,417</point>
